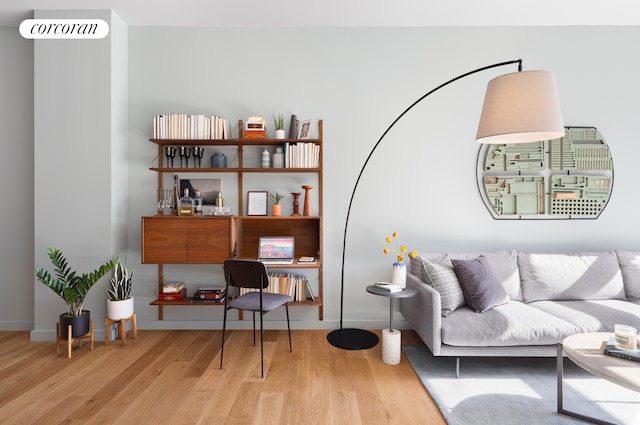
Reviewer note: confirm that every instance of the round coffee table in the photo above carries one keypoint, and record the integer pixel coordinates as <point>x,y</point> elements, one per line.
<point>586,350</point>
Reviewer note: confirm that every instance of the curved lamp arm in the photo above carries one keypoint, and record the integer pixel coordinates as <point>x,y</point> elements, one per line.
<point>360,339</point>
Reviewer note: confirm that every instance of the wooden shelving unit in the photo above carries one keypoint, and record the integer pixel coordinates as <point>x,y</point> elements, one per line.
<point>210,240</point>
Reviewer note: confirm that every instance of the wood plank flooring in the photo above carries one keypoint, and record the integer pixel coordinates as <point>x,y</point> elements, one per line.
<point>173,377</point>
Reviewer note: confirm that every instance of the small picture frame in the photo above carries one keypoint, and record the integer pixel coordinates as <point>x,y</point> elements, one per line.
<point>257,202</point>
<point>304,131</point>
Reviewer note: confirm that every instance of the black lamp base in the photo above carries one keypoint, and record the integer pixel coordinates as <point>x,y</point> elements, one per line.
<point>352,339</point>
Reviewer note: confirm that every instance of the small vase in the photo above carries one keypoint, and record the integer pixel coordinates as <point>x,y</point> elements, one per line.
<point>399,275</point>
<point>280,134</point>
<point>276,210</point>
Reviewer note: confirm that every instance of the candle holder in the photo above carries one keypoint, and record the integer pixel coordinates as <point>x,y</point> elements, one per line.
<point>307,201</point>
<point>296,204</point>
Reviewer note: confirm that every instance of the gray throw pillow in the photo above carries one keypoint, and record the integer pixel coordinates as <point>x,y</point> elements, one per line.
<point>481,288</point>
<point>442,278</point>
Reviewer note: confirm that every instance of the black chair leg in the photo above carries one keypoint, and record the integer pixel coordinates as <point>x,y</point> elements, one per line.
<point>224,326</point>
<point>286,307</point>
<point>254,328</point>
<point>261,346</point>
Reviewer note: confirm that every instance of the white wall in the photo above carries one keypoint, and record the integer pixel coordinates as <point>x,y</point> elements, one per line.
<point>421,181</point>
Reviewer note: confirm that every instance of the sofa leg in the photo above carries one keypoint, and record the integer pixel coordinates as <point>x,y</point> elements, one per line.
<point>457,367</point>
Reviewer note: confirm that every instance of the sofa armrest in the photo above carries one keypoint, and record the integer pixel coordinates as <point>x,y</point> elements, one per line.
<point>423,312</point>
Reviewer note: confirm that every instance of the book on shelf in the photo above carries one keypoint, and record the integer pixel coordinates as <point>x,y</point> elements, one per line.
<point>172,287</point>
<point>387,287</point>
<point>184,126</point>
<point>172,296</point>
<point>295,285</point>
<point>195,300</point>
<point>301,155</point>
<point>611,350</point>
<point>305,259</point>
<point>212,293</point>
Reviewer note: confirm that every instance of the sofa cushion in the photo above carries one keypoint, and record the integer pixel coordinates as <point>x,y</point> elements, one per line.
<point>481,288</point>
<point>511,324</point>
<point>440,276</point>
<point>630,267</point>
<point>504,264</point>
<point>573,276</point>
<point>593,315</point>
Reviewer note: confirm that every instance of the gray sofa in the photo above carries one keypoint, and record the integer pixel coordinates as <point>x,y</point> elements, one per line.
<point>549,297</point>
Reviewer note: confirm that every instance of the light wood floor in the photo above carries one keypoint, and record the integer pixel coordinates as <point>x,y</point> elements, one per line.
<point>172,377</point>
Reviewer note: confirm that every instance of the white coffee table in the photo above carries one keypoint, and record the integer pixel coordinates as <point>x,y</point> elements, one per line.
<point>586,351</point>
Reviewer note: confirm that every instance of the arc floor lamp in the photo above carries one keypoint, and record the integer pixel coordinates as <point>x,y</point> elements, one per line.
<point>519,107</point>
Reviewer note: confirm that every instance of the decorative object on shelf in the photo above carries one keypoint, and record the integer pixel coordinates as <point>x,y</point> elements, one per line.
<point>218,160</point>
<point>197,204</point>
<point>120,301</point>
<point>278,158</point>
<point>184,152</point>
<point>257,203</point>
<point>305,129</point>
<point>276,208</point>
<point>533,115</point>
<point>296,204</point>
<point>293,127</point>
<point>278,122</point>
<point>307,200</point>
<point>266,159</point>
<point>176,196</point>
<point>185,205</point>
<point>73,289</point>
<point>170,152</point>
<point>399,274</point>
<point>198,153</point>
<point>165,201</point>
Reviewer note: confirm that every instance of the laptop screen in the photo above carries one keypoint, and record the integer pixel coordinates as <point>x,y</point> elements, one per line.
<point>276,248</point>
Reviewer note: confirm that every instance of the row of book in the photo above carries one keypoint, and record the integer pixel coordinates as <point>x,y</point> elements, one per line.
<point>301,155</point>
<point>295,285</point>
<point>184,126</point>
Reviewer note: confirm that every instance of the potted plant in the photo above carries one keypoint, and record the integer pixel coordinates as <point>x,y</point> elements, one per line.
<point>278,121</point>
<point>276,208</point>
<point>73,289</point>
<point>120,301</point>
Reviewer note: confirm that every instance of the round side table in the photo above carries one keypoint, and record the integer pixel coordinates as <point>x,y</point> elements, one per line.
<point>391,338</point>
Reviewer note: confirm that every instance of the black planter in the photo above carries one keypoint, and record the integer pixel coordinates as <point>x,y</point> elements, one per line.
<point>79,324</point>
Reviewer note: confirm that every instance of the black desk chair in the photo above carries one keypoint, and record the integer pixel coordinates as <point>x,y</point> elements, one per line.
<point>252,275</point>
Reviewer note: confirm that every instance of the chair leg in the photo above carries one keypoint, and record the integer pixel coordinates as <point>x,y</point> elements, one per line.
<point>224,326</point>
<point>261,346</point>
<point>254,328</point>
<point>286,307</point>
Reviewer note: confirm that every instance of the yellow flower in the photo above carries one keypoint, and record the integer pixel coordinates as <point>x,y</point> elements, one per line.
<point>398,249</point>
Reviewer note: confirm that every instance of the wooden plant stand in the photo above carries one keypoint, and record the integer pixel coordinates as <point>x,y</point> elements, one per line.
<point>69,339</point>
<point>122,329</point>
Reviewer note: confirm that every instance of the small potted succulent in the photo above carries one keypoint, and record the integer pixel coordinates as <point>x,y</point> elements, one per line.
<point>275,198</point>
<point>278,122</point>
<point>120,301</point>
<point>73,289</point>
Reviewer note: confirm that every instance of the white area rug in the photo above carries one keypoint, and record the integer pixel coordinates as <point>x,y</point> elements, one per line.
<point>514,391</point>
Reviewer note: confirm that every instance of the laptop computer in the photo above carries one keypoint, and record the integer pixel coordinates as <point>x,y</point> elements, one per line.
<point>276,249</point>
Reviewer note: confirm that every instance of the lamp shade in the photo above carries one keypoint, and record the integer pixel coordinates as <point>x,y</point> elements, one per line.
<point>521,107</point>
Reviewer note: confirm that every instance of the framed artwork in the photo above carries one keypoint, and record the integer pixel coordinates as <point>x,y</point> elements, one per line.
<point>209,189</point>
<point>305,129</point>
<point>257,203</point>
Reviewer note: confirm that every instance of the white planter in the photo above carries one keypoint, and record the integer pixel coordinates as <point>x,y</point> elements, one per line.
<point>118,310</point>
<point>279,134</point>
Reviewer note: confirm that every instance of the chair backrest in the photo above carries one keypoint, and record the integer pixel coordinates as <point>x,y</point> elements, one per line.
<point>246,274</point>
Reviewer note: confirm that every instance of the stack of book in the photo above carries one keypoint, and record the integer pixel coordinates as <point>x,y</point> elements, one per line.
<point>387,287</point>
<point>174,291</point>
<point>210,294</point>
<point>255,128</point>
<point>611,350</point>
<point>301,155</point>
<point>295,285</point>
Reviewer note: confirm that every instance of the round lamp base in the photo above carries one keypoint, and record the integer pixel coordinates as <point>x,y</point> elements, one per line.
<point>352,339</point>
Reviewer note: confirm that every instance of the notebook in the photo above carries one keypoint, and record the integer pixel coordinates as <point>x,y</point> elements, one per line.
<point>276,249</point>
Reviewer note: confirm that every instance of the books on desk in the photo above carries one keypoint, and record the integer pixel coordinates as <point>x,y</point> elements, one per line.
<point>387,287</point>
<point>611,350</point>
<point>215,294</point>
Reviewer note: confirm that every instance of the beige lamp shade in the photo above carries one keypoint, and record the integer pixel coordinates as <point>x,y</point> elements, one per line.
<point>521,107</point>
